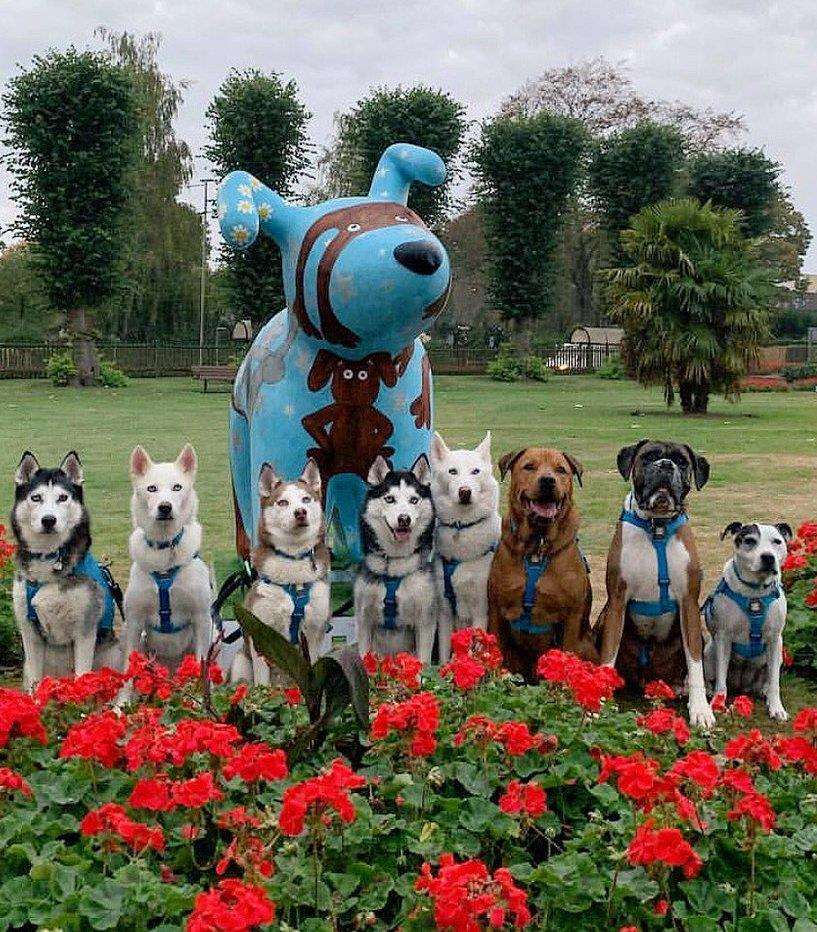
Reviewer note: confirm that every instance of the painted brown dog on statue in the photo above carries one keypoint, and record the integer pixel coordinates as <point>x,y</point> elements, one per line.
<point>539,590</point>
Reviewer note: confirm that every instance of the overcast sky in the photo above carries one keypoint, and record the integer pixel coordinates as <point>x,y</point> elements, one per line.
<point>757,58</point>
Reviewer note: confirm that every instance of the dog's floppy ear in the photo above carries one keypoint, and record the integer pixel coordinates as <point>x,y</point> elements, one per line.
<point>785,531</point>
<point>321,370</point>
<point>700,467</point>
<point>27,467</point>
<point>268,481</point>
<point>438,450</point>
<point>72,467</point>
<point>140,462</point>
<point>507,460</point>
<point>731,529</point>
<point>311,476</point>
<point>386,368</point>
<point>576,467</point>
<point>421,469</point>
<point>378,471</point>
<point>187,460</point>
<point>483,448</point>
<point>626,457</point>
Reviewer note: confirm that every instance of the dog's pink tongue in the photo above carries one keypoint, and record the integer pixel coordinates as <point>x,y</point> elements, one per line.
<point>544,511</point>
<point>401,534</point>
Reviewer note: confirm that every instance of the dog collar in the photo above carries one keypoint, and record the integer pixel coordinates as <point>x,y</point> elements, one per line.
<point>750,585</point>
<point>165,544</point>
<point>462,525</point>
<point>58,554</point>
<point>657,530</point>
<point>295,556</point>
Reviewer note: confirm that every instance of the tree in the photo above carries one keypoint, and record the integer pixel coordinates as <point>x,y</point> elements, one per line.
<point>161,266</point>
<point>24,311</point>
<point>787,240</point>
<point>692,298</point>
<point>632,169</point>
<point>526,169</point>
<point>419,115</point>
<point>71,127</point>
<point>257,122</point>
<point>742,179</point>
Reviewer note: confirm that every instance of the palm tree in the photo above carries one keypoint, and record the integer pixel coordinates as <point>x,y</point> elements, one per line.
<point>692,298</point>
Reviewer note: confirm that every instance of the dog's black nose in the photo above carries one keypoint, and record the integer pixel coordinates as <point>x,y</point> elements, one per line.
<point>404,521</point>
<point>299,513</point>
<point>465,496</point>
<point>547,484</point>
<point>165,509</point>
<point>767,561</point>
<point>420,256</point>
<point>49,522</point>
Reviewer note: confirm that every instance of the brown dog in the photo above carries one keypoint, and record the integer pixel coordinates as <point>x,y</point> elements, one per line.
<point>539,589</point>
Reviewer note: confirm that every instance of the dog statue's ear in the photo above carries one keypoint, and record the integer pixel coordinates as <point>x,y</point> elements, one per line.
<point>268,481</point>
<point>386,368</point>
<point>575,466</point>
<point>438,449</point>
<point>731,529</point>
<point>26,469</point>
<point>72,467</point>
<point>187,460</point>
<point>378,471</point>
<point>311,476</point>
<point>700,467</point>
<point>421,469</point>
<point>507,460</point>
<point>484,448</point>
<point>140,462</point>
<point>321,370</point>
<point>626,458</point>
<point>785,531</point>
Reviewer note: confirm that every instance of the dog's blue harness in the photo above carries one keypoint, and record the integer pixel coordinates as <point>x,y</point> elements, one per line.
<point>449,566</point>
<point>533,573</point>
<point>660,535</point>
<point>165,544</point>
<point>299,593</point>
<point>164,583</point>
<point>88,568</point>
<point>755,609</point>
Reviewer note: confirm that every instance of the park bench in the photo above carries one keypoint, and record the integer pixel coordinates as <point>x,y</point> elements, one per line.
<point>207,374</point>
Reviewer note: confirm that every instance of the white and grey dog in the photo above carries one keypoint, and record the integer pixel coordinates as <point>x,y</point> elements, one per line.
<point>466,501</point>
<point>394,591</point>
<point>63,599</point>
<point>167,602</point>
<point>746,615</point>
<point>291,589</point>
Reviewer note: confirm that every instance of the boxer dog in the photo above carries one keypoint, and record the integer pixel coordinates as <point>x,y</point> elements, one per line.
<point>651,624</point>
<point>466,500</point>
<point>539,587</point>
<point>746,615</point>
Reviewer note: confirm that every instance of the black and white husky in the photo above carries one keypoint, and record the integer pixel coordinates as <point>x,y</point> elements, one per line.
<point>395,604</point>
<point>167,602</point>
<point>63,599</point>
<point>466,502</point>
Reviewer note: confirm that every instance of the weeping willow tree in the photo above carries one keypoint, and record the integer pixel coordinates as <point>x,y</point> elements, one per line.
<point>693,300</point>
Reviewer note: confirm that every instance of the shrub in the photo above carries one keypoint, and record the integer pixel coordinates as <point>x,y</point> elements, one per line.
<point>613,369</point>
<point>805,370</point>
<point>536,368</point>
<point>61,368</point>
<point>510,366</point>
<point>110,375</point>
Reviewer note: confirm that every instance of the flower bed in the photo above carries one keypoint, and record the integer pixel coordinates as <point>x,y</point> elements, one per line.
<point>473,803</point>
<point>800,581</point>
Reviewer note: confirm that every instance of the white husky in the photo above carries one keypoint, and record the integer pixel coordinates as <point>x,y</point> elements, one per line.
<point>291,591</point>
<point>466,500</point>
<point>167,602</point>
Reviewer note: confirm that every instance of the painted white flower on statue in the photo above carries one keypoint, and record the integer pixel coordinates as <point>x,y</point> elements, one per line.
<point>255,183</point>
<point>245,207</point>
<point>245,189</point>
<point>264,211</point>
<point>240,233</point>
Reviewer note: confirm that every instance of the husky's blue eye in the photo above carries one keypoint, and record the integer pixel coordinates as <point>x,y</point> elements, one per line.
<point>36,497</point>
<point>177,487</point>
<point>389,499</point>
<point>153,488</point>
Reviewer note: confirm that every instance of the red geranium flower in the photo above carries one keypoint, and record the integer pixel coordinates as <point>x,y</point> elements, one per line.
<point>96,738</point>
<point>314,798</point>
<point>401,671</point>
<point>664,720</point>
<point>152,793</point>
<point>699,768</point>
<point>293,696</point>
<point>658,689</point>
<point>811,599</point>
<point>232,906</point>
<point>755,807</point>
<point>806,721</point>
<point>196,792</point>
<point>737,780</point>
<point>239,694</point>
<point>13,782</point>
<point>589,684</point>
<point>97,686</point>
<point>742,706</point>
<point>190,669</point>
<point>19,717</point>
<point>149,677</point>
<point>752,748</point>
<point>416,719</point>
<point>112,819</point>
<point>527,799</point>
<point>475,654</point>
<point>665,846</point>
<point>719,702</point>
<point>257,761</point>
<point>793,562</point>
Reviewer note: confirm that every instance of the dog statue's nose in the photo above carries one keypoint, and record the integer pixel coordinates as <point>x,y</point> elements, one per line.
<point>165,509</point>
<point>420,256</point>
<point>404,521</point>
<point>49,522</point>
<point>465,495</point>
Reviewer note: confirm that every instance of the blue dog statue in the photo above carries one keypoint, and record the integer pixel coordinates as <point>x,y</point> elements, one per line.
<point>340,374</point>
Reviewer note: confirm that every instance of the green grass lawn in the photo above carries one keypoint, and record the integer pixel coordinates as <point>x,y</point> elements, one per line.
<point>763,449</point>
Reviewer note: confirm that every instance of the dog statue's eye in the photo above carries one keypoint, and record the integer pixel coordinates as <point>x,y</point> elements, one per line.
<point>353,227</point>
<point>452,471</point>
<point>282,502</point>
<point>475,471</point>
<point>348,374</point>
<point>62,498</point>
<point>36,497</point>
<point>400,218</point>
<point>413,500</point>
<point>153,488</point>
<point>530,467</point>
<point>363,375</point>
<point>389,499</point>
<point>177,487</point>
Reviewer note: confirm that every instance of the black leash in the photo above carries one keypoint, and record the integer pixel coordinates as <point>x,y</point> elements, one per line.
<point>115,589</point>
<point>240,579</point>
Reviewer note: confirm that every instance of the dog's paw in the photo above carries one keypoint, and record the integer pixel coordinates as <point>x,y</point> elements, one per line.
<point>777,712</point>
<point>700,712</point>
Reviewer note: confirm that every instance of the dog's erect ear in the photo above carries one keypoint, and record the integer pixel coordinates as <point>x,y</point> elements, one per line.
<point>626,458</point>
<point>700,467</point>
<point>575,466</point>
<point>72,467</point>
<point>731,529</point>
<point>268,481</point>
<point>321,370</point>
<point>421,469</point>
<point>187,460</point>
<point>26,469</point>
<point>438,449</point>
<point>311,476</point>
<point>140,462</point>
<point>386,368</point>
<point>378,471</point>
<point>507,460</point>
<point>483,448</point>
<point>785,531</point>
